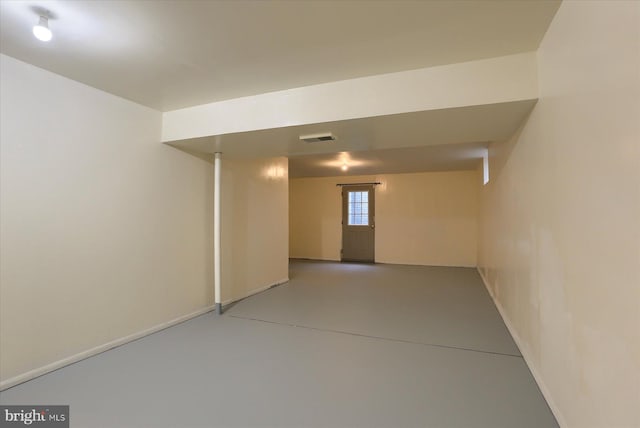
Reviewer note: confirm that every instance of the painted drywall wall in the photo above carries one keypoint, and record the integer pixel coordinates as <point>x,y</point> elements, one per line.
<point>560,218</point>
<point>255,218</point>
<point>422,218</point>
<point>487,81</point>
<point>104,232</point>
<point>428,218</point>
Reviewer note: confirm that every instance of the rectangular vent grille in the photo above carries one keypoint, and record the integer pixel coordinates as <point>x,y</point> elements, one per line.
<point>315,138</point>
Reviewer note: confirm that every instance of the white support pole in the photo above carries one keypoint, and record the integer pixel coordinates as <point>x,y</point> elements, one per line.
<point>217,256</point>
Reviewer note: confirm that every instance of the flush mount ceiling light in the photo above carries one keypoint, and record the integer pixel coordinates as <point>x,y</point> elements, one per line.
<point>41,30</point>
<point>344,167</point>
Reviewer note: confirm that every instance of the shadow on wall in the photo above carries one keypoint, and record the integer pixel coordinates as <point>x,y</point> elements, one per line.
<point>500,151</point>
<point>204,156</point>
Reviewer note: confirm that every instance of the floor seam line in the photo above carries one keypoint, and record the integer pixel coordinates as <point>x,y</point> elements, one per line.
<point>374,337</point>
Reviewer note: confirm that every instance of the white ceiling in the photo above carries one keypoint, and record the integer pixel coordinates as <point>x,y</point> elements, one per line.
<point>430,140</point>
<point>172,54</point>
<point>444,157</point>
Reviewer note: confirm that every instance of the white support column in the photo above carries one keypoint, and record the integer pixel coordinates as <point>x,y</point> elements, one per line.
<point>217,256</point>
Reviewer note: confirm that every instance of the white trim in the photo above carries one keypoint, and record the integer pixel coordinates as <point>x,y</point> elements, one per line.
<point>32,374</point>
<point>313,259</point>
<point>387,262</point>
<point>524,351</point>
<point>256,291</point>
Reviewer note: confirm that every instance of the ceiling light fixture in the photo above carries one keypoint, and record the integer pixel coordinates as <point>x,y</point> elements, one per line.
<point>41,30</point>
<point>345,167</point>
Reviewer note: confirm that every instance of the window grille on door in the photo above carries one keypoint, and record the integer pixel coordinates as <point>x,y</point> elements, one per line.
<point>358,209</point>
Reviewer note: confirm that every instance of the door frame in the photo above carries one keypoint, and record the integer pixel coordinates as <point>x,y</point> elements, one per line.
<point>371,188</point>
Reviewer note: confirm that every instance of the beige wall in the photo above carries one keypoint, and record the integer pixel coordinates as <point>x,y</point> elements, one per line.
<point>255,218</point>
<point>104,232</point>
<point>425,218</point>
<point>560,219</point>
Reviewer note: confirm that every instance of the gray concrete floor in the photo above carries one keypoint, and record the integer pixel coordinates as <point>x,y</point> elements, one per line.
<point>340,345</point>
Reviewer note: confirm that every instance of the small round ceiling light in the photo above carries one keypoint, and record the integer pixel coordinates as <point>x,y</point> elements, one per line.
<point>345,167</point>
<point>41,30</point>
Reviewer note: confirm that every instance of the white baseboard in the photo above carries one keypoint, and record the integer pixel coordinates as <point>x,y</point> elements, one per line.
<point>313,259</point>
<point>256,291</point>
<point>386,262</point>
<point>32,374</point>
<point>526,356</point>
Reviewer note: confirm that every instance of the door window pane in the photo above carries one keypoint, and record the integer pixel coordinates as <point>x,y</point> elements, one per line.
<point>358,207</point>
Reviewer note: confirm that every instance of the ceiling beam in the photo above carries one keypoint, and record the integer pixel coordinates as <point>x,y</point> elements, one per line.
<point>490,81</point>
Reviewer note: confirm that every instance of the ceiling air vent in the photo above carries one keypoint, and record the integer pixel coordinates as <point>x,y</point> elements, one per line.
<point>314,138</point>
